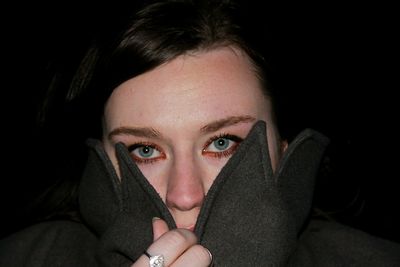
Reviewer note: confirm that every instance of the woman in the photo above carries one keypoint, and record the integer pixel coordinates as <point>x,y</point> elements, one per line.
<point>187,167</point>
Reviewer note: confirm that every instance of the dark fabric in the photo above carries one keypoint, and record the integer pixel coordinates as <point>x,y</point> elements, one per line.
<point>56,244</point>
<point>331,244</point>
<point>250,217</point>
<point>323,244</point>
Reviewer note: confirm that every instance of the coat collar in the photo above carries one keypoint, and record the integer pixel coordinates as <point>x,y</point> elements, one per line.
<point>249,216</point>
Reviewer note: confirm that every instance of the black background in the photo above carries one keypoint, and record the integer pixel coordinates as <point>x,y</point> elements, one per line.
<point>337,65</point>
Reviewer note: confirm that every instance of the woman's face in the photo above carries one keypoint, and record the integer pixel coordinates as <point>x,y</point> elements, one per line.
<point>182,122</point>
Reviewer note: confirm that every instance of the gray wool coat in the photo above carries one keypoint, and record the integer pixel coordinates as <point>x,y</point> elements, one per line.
<point>250,216</point>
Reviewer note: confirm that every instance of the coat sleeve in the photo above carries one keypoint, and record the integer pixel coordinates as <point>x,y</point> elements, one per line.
<point>57,243</point>
<point>329,244</point>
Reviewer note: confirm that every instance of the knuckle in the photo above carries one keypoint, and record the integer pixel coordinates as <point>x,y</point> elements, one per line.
<point>177,237</point>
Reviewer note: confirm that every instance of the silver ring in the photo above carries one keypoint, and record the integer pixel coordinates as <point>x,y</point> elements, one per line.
<point>211,257</point>
<point>155,261</point>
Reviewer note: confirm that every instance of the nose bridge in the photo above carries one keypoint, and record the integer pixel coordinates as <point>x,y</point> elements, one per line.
<point>185,186</point>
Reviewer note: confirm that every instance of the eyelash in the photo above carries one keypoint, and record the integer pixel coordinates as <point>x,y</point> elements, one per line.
<point>221,154</point>
<point>144,160</point>
<point>225,153</point>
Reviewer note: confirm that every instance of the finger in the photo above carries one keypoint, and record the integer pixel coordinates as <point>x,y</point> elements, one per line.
<point>195,256</point>
<point>171,245</point>
<point>160,227</point>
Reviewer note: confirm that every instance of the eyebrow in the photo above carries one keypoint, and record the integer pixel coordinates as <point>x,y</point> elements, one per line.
<point>136,131</point>
<point>153,133</point>
<point>219,124</point>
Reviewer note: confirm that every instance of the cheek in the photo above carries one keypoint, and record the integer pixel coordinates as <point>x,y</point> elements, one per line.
<point>211,169</point>
<point>155,173</point>
<point>274,146</point>
<point>110,150</point>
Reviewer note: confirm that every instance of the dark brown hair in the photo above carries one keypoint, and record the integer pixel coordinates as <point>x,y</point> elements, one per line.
<point>157,33</point>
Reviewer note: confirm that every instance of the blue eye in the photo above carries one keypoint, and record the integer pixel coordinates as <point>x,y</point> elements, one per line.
<point>145,153</point>
<point>221,143</point>
<point>222,146</point>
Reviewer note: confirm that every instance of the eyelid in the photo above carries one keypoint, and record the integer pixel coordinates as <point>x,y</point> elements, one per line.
<point>224,153</point>
<point>140,144</point>
<point>232,137</point>
<point>139,160</point>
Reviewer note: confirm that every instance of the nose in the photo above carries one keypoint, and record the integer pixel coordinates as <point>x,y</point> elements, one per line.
<point>185,189</point>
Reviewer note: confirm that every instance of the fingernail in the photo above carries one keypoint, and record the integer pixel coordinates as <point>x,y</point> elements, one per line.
<point>155,219</point>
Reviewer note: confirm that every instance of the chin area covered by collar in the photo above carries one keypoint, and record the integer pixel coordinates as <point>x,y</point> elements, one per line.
<point>250,216</point>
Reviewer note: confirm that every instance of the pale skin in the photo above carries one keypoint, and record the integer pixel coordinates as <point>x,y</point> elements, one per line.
<point>182,122</point>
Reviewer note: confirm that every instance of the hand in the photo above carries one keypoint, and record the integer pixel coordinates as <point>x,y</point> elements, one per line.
<point>179,248</point>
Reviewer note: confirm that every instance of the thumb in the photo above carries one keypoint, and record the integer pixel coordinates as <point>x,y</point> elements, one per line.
<point>160,227</point>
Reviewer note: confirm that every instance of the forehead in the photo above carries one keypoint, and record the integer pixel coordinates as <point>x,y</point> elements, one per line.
<point>196,86</point>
